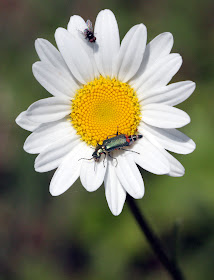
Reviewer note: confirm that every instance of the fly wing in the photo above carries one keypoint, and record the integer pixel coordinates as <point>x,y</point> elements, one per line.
<point>89,24</point>
<point>85,32</point>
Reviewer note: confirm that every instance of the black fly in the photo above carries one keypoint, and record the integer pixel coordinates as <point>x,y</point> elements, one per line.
<point>88,32</point>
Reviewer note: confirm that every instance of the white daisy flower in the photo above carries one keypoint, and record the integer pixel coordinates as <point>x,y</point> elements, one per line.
<point>101,87</point>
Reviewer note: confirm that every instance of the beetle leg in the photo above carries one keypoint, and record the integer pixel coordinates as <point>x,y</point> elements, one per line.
<point>112,135</point>
<point>104,159</point>
<point>118,132</point>
<point>94,165</point>
<point>129,151</point>
<point>115,133</point>
<point>113,158</point>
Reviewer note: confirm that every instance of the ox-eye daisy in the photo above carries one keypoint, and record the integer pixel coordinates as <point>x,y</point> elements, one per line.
<point>101,87</point>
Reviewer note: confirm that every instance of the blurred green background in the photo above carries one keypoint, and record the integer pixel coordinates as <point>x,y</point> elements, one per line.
<point>75,236</point>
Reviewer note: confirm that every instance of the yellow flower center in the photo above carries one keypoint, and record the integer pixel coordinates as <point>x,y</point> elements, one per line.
<point>103,107</point>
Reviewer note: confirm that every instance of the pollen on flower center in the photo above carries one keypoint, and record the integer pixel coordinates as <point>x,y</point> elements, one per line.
<point>102,107</point>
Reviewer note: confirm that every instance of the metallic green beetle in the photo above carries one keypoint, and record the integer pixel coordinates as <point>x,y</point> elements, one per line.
<point>114,143</point>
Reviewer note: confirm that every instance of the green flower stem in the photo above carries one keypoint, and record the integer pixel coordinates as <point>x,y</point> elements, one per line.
<point>170,265</point>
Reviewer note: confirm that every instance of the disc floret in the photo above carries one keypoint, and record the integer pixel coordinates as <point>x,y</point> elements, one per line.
<point>103,106</point>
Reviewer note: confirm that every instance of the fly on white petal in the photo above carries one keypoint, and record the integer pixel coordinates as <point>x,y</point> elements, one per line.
<point>88,32</point>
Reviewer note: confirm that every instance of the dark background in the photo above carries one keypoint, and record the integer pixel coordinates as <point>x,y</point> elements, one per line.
<point>75,236</point>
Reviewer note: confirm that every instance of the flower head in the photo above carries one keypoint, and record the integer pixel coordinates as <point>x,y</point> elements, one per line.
<point>103,89</point>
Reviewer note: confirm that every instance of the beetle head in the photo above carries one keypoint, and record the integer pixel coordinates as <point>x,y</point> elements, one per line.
<point>97,153</point>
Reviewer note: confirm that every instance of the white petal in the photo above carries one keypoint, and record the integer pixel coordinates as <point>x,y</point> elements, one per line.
<point>150,158</point>
<point>49,109</point>
<point>54,80</point>
<point>131,53</point>
<point>159,74</point>
<point>107,43</point>
<point>160,46</point>
<point>170,95</point>
<point>68,171</point>
<point>76,57</point>
<point>176,168</point>
<point>170,139</point>
<point>51,157</point>
<point>46,134</point>
<point>23,121</point>
<point>92,173</point>
<point>164,116</point>
<point>129,176</point>
<point>115,193</point>
<point>76,27</point>
<point>49,54</point>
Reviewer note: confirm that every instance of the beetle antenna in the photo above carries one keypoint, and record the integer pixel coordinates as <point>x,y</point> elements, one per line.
<point>86,158</point>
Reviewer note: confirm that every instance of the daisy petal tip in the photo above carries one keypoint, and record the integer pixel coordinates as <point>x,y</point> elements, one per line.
<point>75,24</point>
<point>177,173</point>
<point>57,32</point>
<point>38,168</point>
<point>35,66</point>
<point>54,191</point>
<point>164,170</point>
<point>39,42</point>
<point>74,17</point>
<point>178,58</point>
<point>117,208</point>
<point>141,31</point>
<point>188,119</point>
<point>23,121</point>
<point>89,187</point>
<point>106,14</point>
<point>107,11</point>
<point>60,33</point>
<point>25,147</point>
<point>167,35</point>
<point>18,119</point>
<point>192,85</point>
<point>139,194</point>
<point>92,189</point>
<point>142,26</point>
<point>116,212</point>
<point>28,113</point>
<point>192,146</point>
